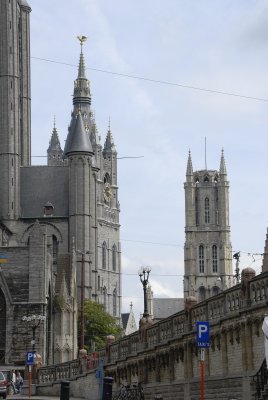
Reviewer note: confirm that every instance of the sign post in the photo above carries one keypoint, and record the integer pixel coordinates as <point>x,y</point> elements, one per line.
<point>202,341</point>
<point>30,363</point>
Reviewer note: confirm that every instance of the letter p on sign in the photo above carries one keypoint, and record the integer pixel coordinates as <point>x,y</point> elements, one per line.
<point>202,334</point>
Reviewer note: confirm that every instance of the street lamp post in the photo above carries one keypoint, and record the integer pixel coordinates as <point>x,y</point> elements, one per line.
<point>144,273</point>
<point>35,322</point>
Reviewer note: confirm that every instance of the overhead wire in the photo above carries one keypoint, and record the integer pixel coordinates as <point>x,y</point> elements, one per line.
<point>158,81</point>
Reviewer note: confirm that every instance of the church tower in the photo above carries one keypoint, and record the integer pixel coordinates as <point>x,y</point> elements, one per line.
<point>207,249</point>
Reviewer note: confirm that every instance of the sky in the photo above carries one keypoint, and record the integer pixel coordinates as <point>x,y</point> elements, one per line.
<point>144,59</point>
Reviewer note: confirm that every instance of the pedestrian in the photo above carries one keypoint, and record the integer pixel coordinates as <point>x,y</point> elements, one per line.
<point>13,380</point>
<point>19,382</point>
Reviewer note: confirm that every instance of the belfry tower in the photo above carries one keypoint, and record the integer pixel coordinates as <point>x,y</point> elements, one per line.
<point>207,249</point>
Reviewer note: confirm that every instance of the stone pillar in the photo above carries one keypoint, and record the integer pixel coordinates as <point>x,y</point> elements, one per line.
<point>188,367</point>
<point>243,346</point>
<point>224,351</point>
<point>157,368</point>
<point>249,345</point>
<point>172,364</point>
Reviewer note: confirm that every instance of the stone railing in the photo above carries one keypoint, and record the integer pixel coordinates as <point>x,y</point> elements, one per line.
<point>71,369</point>
<point>231,303</point>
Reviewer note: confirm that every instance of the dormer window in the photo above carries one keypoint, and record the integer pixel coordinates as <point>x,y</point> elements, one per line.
<point>206,179</point>
<point>48,209</point>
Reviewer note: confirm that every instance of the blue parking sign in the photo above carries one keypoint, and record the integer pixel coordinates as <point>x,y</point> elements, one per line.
<point>202,334</point>
<point>30,358</point>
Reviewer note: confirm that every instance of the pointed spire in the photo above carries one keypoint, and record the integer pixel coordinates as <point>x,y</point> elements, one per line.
<point>81,94</point>
<point>81,67</point>
<point>78,140</point>
<point>54,143</point>
<point>54,151</point>
<point>223,166</point>
<point>94,136</point>
<point>109,141</point>
<point>189,170</point>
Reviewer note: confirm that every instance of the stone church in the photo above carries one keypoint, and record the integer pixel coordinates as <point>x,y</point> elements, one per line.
<point>55,220</point>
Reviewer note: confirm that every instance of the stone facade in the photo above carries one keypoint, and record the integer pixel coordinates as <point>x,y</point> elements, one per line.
<point>54,219</point>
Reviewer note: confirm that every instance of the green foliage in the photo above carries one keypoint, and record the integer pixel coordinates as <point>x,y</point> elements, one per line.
<point>98,325</point>
<point>59,302</point>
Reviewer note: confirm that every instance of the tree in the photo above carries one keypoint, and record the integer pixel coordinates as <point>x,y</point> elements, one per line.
<point>98,325</point>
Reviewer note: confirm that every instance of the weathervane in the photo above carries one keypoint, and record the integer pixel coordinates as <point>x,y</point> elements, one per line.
<point>82,39</point>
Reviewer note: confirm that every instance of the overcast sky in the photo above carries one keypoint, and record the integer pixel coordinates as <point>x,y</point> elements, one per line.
<point>217,45</point>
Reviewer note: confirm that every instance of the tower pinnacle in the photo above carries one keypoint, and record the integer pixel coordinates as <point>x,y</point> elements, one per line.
<point>109,141</point>
<point>81,68</point>
<point>223,170</point>
<point>189,170</point>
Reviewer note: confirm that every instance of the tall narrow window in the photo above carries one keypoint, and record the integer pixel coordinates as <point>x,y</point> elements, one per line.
<point>104,251</point>
<point>54,248</point>
<point>207,219</point>
<point>202,293</point>
<point>105,298</point>
<point>114,302</point>
<point>196,206</point>
<point>201,259</point>
<point>114,250</point>
<point>214,258</point>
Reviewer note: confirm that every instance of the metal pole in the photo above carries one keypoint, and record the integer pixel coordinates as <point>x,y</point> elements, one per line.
<point>145,314</point>
<point>34,328</point>
<point>202,374</point>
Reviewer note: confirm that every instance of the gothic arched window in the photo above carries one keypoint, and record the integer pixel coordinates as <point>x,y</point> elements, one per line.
<point>114,251</point>
<point>106,178</point>
<point>114,302</point>
<point>202,293</point>
<point>207,218</point>
<point>54,248</point>
<point>214,258</point>
<point>215,290</point>
<point>201,259</point>
<point>105,298</point>
<point>104,255</point>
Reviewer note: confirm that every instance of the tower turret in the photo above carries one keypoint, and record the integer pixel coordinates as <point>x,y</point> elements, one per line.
<point>110,170</point>
<point>82,198</point>
<point>81,99</point>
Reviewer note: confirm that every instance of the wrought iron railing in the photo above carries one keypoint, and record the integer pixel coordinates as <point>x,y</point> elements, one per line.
<point>129,393</point>
<point>260,379</point>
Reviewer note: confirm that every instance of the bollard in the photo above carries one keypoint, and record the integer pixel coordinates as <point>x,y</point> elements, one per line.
<point>107,392</point>
<point>65,390</point>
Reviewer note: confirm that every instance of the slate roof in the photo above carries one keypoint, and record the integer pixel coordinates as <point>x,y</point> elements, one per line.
<point>78,140</point>
<point>165,307</point>
<point>40,184</point>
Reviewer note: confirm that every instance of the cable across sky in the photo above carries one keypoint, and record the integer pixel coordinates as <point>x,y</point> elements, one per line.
<point>159,81</point>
